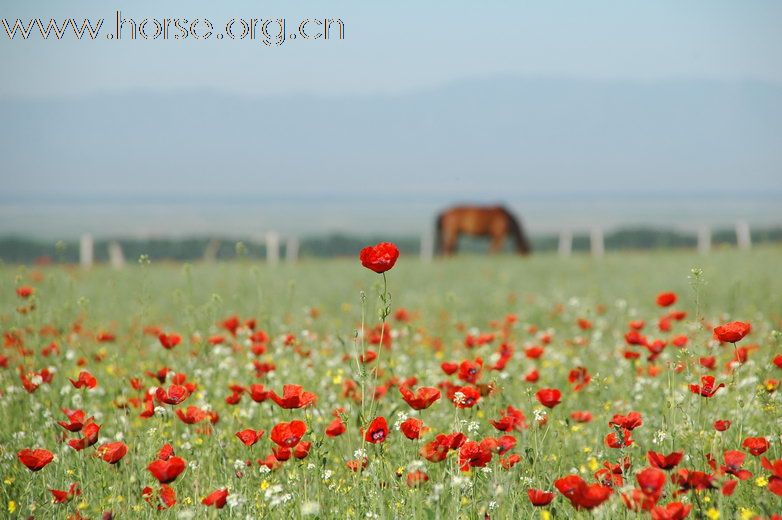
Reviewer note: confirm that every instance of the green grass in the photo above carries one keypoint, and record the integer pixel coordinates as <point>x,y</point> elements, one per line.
<point>448,299</point>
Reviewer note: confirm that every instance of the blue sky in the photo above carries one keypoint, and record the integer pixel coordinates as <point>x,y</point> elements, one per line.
<point>403,45</point>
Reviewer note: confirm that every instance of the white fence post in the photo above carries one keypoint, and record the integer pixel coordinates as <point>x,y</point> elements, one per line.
<point>210,253</point>
<point>292,250</point>
<point>116,258</point>
<point>427,247</point>
<point>565,242</point>
<point>704,240</point>
<point>86,246</point>
<point>596,242</point>
<point>272,248</point>
<point>743,237</point>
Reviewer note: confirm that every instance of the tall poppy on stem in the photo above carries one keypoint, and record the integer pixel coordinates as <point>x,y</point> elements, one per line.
<point>381,258</point>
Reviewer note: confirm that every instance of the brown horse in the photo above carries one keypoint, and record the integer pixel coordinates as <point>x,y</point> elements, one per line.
<point>484,221</point>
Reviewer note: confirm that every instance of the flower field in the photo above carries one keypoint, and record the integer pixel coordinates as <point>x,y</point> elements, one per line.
<point>633,386</point>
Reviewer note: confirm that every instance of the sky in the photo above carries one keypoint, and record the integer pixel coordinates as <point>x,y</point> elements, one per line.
<point>400,54</point>
<point>402,45</point>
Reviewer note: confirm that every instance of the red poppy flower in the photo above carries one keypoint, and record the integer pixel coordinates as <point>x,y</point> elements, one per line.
<point>76,420</point>
<point>231,324</point>
<point>216,498</point>
<point>775,481</point>
<point>258,393</point>
<point>579,377</point>
<point>89,437</point>
<point>549,397</point>
<point>166,471</point>
<point>166,496</point>
<point>356,465</point>
<point>191,415</point>
<point>688,479</point>
<point>105,337</point>
<point>474,455</point>
<point>449,368</point>
<point>35,460</point>
<point>465,396</point>
<point>584,324</point>
<point>510,461</point>
<point>281,453</point>
<point>666,462</point>
<point>169,341</point>
<point>733,461</point>
<point>532,376</point>
<point>61,497</point>
<point>85,380</point>
<point>581,416</point>
<point>672,511</point>
<point>732,332</point>
<point>706,388</point>
<point>377,431</point>
<point>651,481</point>
<point>423,398</point>
<point>512,419</point>
<point>112,452</point>
<point>412,428</point>
<point>249,436</point>
<point>631,421</point>
<point>470,371</point>
<point>175,394</point>
<point>666,299</point>
<point>25,291</point>
<point>539,498</point>
<point>434,451</point>
<point>620,439</point>
<point>293,396</point>
<point>580,494</point>
<point>722,425</point>
<point>288,434</point>
<point>756,445</point>
<point>302,449</point>
<point>379,258</point>
<point>336,428</point>
<point>777,361</point>
<point>416,478</point>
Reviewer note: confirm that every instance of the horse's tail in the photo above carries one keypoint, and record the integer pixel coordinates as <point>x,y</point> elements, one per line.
<point>522,244</point>
<point>438,234</point>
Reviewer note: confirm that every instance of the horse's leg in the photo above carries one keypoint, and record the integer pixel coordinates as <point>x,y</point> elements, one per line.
<point>497,241</point>
<point>450,241</point>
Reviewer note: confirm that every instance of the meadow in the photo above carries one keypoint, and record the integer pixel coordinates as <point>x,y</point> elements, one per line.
<point>538,363</point>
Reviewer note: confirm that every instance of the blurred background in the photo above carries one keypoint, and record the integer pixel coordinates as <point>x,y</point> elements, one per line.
<point>642,124</point>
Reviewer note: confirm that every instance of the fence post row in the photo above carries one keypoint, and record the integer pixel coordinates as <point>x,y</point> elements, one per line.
<point>86,253</point>
<point>272,247</point>
<point>596,242</point>
<point>743,237</point>
<point>116,257</point>
<point>565,247</point>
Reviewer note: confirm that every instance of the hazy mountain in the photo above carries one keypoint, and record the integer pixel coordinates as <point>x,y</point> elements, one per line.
<point>570,142</point>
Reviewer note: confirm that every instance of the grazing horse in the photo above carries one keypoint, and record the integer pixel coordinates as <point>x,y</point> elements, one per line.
<point>484,221</point>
